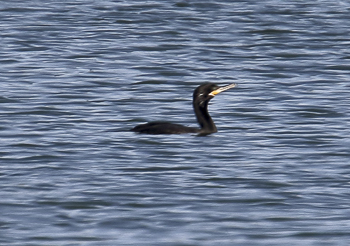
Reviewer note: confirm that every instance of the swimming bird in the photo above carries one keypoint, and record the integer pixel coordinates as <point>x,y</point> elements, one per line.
<point>201,98</point>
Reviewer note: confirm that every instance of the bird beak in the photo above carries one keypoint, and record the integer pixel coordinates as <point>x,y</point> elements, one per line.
<point>221,89</point>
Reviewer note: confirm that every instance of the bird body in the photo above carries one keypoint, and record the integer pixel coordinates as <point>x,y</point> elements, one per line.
<point>162,127</point>
<point>201,98</point>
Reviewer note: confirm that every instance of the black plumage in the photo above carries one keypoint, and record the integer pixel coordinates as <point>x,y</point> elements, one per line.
<point>201,98</point>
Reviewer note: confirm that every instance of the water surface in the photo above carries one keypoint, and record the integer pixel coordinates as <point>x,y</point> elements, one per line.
<point>77,75</point>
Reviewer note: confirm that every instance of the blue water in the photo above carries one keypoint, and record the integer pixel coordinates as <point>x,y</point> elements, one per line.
<point>77,75</point>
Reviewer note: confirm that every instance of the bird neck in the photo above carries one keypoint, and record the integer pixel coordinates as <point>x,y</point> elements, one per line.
<point>204,120</point>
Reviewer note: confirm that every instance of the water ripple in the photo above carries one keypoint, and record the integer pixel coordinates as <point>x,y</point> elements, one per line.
<point>76,76</point>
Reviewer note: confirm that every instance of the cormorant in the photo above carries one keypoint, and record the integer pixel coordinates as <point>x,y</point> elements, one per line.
<point>201,98</point>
